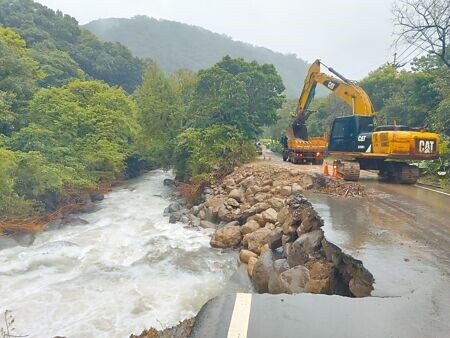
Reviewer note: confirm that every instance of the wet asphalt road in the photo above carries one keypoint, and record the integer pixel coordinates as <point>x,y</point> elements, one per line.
<point>402,235</point>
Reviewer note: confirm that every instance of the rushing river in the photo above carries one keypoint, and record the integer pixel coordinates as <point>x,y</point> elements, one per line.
<point>125,270</point>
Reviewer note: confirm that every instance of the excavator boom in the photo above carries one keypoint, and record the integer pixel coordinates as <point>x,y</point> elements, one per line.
<point>348,91</point>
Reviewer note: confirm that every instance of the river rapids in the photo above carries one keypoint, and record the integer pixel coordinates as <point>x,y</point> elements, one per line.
<point>125,270</point>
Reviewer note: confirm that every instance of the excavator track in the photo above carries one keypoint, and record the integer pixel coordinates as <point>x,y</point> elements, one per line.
<point>399,172</point>
<point>408,174</point>
<point>349,171</point>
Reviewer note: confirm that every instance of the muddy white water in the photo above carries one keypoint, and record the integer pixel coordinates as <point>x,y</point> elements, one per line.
<point>126,270</point>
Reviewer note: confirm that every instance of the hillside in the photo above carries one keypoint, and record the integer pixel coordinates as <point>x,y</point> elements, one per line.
<point>176,45</point>
<point>65,51</point>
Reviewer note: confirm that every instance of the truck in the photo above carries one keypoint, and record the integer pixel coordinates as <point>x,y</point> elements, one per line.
<point>298,147</point>
<point>298,150</point>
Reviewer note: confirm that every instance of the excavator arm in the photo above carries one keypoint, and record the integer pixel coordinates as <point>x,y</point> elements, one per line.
<point>348,91</point>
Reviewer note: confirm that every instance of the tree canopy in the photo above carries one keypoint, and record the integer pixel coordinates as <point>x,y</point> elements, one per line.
<point>65,50</point>
<point>238,93</point>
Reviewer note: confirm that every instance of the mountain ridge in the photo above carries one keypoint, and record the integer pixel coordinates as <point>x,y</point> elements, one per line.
<point>176,45</point>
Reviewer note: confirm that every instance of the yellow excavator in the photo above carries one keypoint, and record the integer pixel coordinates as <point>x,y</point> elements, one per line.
<point>356,142</point>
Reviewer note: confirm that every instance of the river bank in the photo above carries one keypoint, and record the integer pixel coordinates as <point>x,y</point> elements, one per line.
<point>119,269</point>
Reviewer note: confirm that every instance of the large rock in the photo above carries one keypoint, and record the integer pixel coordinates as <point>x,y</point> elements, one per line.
<point>236,194</point>
<point>294,280</point>
<point>175,217</point>
<point>360,287</point>
<point>322,278</point>
<point>289,224</point>
<point>296,188</point>
<point>255,209</point>
<point>233,203</point>
<point>270,215</point>
<point>175,206</point>
<point>168,182</point>
<point>274,285</point>
<point>226,237</point>
<point>250,227</point>
<point>274,238</point>
<point>196,209</point>
<point>261,272</point>
<point>269,226</point>
<point>310,221</point>
<point>232,224</point>
<point>261,197</point>
<point>276,203</point>
<point>214,202</point>
<point>307,182</point>
<point>310,242</point>
<point>247,182</point>
<point>283,214</point>
<point>97,197</point>
<point>252,190</point>
<point>25,238</point>
<point>251,265</point>
<point>256,240</point>
<point>299,251</point>
<point>211,214</point>
<point>207,225</point>
<point>286,190</point>
<point>195,221</point>
<point>359,281</point>
<point>245,255</point>
<point>226,215</point>
<point>258,218</point>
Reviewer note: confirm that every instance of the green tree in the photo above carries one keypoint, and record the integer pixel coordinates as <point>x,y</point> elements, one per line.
<point>62,46</point>
<point>58,66</point>
<point>285,118</point>
<point>160,116</point>
<point>19,76</point>
<point>85,128</point>
<point>107,61</point>
<point>216,149</point>
<point>327,109</point>
<point>406,97</point>
<point>237,93</point>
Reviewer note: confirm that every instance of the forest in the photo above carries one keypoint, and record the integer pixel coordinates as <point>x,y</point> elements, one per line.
<point>77,113</point>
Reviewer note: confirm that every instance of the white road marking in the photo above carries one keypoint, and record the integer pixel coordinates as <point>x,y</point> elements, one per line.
<point>241,314</point>
<point>440,192</point>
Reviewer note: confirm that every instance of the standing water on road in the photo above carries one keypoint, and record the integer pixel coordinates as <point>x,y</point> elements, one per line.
<point>126,270</point>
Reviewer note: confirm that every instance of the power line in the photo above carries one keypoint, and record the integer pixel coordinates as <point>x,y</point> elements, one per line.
<point>407,60</point>
<point>407,48</point>
<point>412,52</point>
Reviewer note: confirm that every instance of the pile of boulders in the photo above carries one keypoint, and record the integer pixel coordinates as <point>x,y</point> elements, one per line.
<point>295,257</point>
<point>263,213</point>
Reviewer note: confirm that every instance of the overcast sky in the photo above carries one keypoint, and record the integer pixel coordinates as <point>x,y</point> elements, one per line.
<point>353,36</point>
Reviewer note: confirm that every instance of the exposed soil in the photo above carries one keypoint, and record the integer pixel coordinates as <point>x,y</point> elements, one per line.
<point>181,330</point>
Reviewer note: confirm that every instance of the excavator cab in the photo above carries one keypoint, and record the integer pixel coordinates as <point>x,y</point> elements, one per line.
<point>351,134</point>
